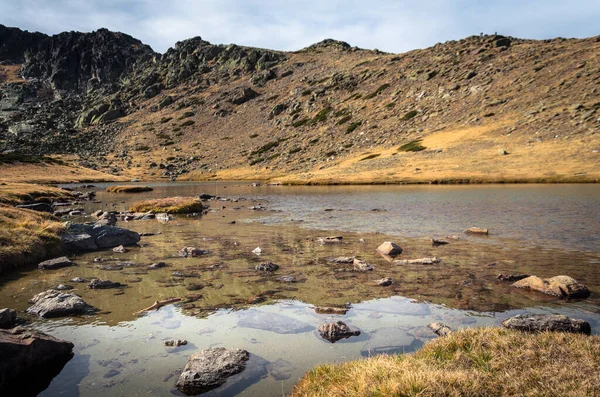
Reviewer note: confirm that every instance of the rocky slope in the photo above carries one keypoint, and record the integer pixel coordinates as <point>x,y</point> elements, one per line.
<point>485,108</point>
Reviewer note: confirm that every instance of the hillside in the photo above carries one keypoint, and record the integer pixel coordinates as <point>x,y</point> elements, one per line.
<point>485,108</point>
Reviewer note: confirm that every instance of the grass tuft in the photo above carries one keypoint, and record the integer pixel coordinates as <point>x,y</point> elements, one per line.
<point>170,205</point>
<point>414,146</point>
<point>128,189</point>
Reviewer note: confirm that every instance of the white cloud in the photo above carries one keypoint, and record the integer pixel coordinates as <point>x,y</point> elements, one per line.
<point>389,25</point>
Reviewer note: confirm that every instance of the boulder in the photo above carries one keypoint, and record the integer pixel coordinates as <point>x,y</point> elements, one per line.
<point>333,332</point>
<point>8,318</point>
<point>81,238</point>
<point>120,249</point>
<point>190,252</point>
<point>103,284</point>
<point>560,286</point>
<point>267,267</point>
<point>210,368</point>
<point>384,282</point>
<point>57,304</point>
<point>56,263</point>
<point>547,322</point>
<point>389,248</point>
<point>40,207</point>
<point>157,265</point>
<point>330,240</point>
<point>243,95</point>
<point>30,358</point>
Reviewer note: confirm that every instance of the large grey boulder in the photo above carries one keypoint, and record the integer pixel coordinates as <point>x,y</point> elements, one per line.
<point>57,304</point>
<point>8,317</point>
<point>81,238</point>
<point>547,322</point>
<point>210,368</point>
<point>55,263</point>
<point>25,350</point>
<point>560,286</point>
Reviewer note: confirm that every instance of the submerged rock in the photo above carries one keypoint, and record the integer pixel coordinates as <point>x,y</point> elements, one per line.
<point>104,284</point>
<point>274,322</point>
<point>333,332</point>
<point>440,329</point>
<point>281,369</point>
<point>26,351</point>
<point>210,368</point>
<point>547,322</point>
<point>389,340</point>
<point>81,238</point>
<point>55,263</point>
<point>560,286</point>
<point>56,304</point>
<point>389,248</point>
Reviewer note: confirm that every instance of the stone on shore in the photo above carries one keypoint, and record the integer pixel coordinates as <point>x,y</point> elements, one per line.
<point>57,304</point>
<point>477,230</point>
<point>547,322</point>
<point>560,286</point>
<point>384,282</point>
<point>330,240</point>
<point>362,266</point>
<point>55,263</point>
<point>104,284</point>
<point>191,252</point>
<point>267,267</point>
<point>422,261</point>
<point>389,248</point>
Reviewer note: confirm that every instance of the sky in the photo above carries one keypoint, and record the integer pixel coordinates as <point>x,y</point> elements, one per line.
<point>391,26</point>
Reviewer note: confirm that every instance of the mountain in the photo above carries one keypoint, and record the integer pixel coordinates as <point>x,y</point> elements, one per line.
<point>485,108</point>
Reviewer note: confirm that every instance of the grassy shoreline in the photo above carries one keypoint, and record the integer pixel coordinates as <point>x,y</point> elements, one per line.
<point>470,362</point>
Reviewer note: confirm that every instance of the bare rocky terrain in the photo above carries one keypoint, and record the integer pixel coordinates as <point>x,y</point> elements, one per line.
<point>483,109</point>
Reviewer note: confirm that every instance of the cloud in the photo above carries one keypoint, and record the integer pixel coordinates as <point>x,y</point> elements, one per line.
<point>394,26</point>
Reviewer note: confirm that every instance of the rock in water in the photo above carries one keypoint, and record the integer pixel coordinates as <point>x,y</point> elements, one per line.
<point>440,329</point>
<point>547,322</point>
<point>333,332</point>
<point>560,286</point>
<point>210,368</point>
<point>81,238</point>
<point>8,317</point>
<point>281,369</point>
<point>24,350</point>
<point>274,322</point>
<point>56,263</point>
<point>389,248</point>
<point>103,284</point>
<point>56,304</point>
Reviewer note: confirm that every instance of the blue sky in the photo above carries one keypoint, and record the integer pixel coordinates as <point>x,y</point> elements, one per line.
<point>393,26</point>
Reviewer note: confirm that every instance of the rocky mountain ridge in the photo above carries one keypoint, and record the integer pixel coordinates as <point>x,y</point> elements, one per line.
<point>203,111</point>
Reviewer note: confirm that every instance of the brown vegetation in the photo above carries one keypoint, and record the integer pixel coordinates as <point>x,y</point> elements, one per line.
<point>128,189</point>
<point>170,205</point>
<point>471,362</point>
<point>18,193</point>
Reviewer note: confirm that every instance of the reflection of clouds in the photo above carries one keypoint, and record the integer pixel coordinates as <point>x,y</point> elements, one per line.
<point>393,26</point>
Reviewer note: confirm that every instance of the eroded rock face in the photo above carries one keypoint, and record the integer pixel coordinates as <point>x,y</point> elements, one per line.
<point>82,238</point>
<point>560,286</point>
<point>56,263</point>
<point>57,304</point>
<point>547,322</point>
<point>210,368</point>
<point>336,331</point>
<point>23,350</point>
<point>389,248</point>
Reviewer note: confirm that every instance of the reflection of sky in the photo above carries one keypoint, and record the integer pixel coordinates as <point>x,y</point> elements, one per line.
<point>390,25</point>
<point>135,348</point>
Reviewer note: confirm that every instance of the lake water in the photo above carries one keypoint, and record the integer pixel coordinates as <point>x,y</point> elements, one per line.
<point>545,230</point>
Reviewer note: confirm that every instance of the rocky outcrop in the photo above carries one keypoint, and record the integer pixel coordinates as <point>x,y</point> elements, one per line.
<point>547,322</point>
<point>82,238</point>
<point>30,357</point>
<point>8,318</point>
<point>56,263</point>
<point>336,331</point>
<point>560,286</point>
<point>210,368</point>
<point>58,304</point>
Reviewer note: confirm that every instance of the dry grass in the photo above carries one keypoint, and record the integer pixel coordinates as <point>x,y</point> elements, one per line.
<point>26,237</point>
<point>17,193</point>
<point>171,205</point>
<point>472,362</point>
<point>128,189</point>
<point>45,172</point>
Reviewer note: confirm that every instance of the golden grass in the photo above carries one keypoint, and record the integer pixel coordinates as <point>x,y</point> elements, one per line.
<point>471,362</point>
<point>53,173</point>
<point>128,189</point>
<point>27,236</point>
<point>17,193</point>
<point>170,205</point>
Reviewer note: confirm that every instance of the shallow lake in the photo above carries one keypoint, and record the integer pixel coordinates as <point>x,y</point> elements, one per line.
<point>545,230</point>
